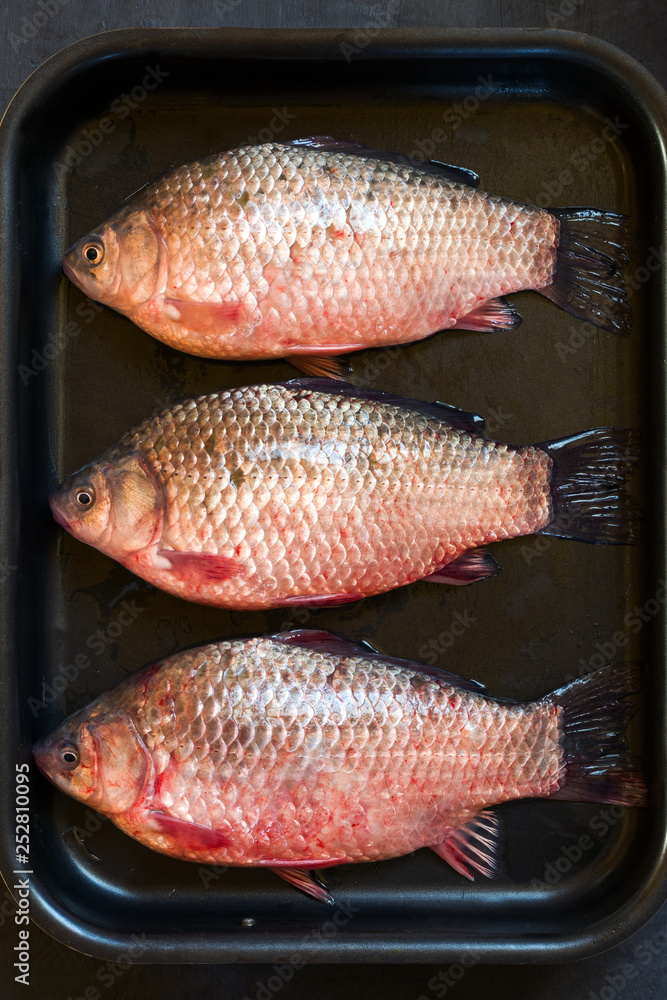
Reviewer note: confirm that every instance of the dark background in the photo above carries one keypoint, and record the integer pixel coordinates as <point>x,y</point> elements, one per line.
<point>634,969</point>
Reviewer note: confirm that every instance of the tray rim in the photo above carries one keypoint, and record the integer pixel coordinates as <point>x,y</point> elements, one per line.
<point>625,73</point>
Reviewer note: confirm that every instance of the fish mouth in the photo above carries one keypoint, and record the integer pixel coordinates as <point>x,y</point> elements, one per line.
<point>41,753</point>
<point>68,269</point>
<point>68,265</point>
<point>57,513</point>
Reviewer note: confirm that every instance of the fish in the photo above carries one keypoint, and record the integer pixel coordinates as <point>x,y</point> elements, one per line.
<point>318,492</point>
<point>304,750</point>
<point>319,247</point>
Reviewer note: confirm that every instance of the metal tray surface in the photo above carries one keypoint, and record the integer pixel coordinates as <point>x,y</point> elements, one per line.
<point>543,116</point>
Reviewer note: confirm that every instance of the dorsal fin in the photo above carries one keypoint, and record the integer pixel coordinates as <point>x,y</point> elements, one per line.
<point>321,641</point>
<point>462,420</point>
<point>327,144</point>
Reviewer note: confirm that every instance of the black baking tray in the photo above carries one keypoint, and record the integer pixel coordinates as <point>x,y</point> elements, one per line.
<point>543,116</point>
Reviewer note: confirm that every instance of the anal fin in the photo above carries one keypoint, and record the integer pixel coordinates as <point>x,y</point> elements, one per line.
<point>494,314</point>
<point>474,847</point>
<point>471,566</point>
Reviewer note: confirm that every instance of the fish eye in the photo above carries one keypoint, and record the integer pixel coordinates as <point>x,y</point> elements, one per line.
<point>69,755</point>
<point>93,252</point>
<point>85,497</point>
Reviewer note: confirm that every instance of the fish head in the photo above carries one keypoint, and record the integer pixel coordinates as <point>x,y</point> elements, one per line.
<point>119,263</point>
<point>97,758</point>
<point>115,504</point>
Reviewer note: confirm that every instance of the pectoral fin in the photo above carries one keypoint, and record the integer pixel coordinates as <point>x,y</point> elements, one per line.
<point>306,883</point>
<point>317,366</point>
<point>204,316</point>
<point>201,566</point>
<point>187,836</point>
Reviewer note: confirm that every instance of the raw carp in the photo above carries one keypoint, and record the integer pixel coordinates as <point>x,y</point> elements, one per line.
<point>304,750</point>
<point>316,491</point>
<point>317,248</point>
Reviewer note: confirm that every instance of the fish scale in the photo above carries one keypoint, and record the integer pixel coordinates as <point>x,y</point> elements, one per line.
<point>315,248</point>
<point>313,491</point>
<point>330,501</point>
<point>304,750</point>
<point>320,249</point>
<point>320,747</point>
<point>449,239</point>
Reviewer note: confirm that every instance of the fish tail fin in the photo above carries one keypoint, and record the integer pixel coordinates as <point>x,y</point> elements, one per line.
<point>595,716</point>
<point>587,487</point>
<point>592,249</point>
